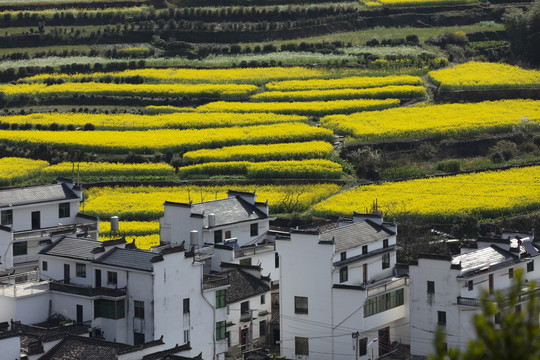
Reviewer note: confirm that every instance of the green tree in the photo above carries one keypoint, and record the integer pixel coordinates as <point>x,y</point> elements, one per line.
<point>523,28</point>
<point>502,331</point>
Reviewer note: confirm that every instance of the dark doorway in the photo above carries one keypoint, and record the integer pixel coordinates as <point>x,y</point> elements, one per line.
<point>36,220</point>
<point>66,274</point>
<point>98,278</point>
<point>384,341</point>
<point>244,337</point>
<point>79,314</point>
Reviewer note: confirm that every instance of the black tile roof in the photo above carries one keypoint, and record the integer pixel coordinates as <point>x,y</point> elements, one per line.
<point>36,194</point>
<point>78,347</point>
<point>128,258</point>
<point>356,234</point>
<point>484,259</point>
<point>164,353</point>
<point>72,247</point>
<point>244,285</point>
<point>228,211</point>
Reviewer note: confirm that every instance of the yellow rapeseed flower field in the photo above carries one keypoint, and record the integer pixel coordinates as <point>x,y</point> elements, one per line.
<point>490,194</point>
<point>356,82</point>
<point>287,151</point>
<point>142,122</point>
<point>161,140</point>
<point>256,76</point>
<point>385,92</point>
<point>214,91</point>
<point>146,202</point>
<point>314,108</point>
<point>129,228</point>
<point>141,241</point>
<point>85,169</point>
<point>434,120</point>
<point>14,169</point>
<point>483,75</point>
<point>287,169</point>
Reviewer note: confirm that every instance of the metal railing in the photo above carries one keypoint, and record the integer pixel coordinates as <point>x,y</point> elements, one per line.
<point>474,302</point>
<point>86,290</point>
<point>211,281</point>
<point>382,286</point>
<point>254,250</point>
<point>55,230</point>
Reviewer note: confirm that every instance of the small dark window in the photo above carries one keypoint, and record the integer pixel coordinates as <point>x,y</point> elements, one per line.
<point>362,346</point>
<point>262,328</point>
<point>301,346</point>
<point>254,230</point>
<point>244,307</point>
<point>386,261</point>
<point>431,287</point>
<point>343,256</point>
<point>44,266</point>
<point>530,266</point>
<point>343,274</point>
<point>7,217</point>
<point>263,299</point>
<point>228,234</point>
<point>364,250</point>
<point>138,338</point>
<point>221,296</point>
<point>441,318</point>
<point>63,210</point>
<point>510,273</point>
<point>20,248</point>
<point>80,270</point>
<point>112,278</point>
<point>470,285</point>
<point>300,305</point>
<point>218,237</point>
<point>186,306</point>
<point>497,318</point>
<point>385,243</point>
<point>276,260</point>
<point>139,309</point>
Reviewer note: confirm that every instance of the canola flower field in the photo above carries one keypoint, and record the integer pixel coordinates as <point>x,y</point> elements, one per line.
<point>145,203</point>
<point>434,120</point>
<point>289,169</point>
<point>490,194</point>
<point>385,92</point>
<point>314,108</point>
<point>213,91</point>
<point>287,151</point>
<point>162,121</point>
<point>356,82</point>
<point>256,76</point>
<point>483,75</point>
<point>13,169</point>
<point>139,228</point>
<point>161,140</point>
<point>141,241</point>
<point>86,169</point>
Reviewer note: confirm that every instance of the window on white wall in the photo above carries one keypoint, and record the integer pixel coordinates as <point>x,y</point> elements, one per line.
<point>386,261</point>
<point>20,248</point>
<point>7,217</point>
<point>80,270</point>
<point>112,278</point>
<point>301,345</point>
<point>63,210</point>
<point>470,285</point>
<point>343,274</point>
<point>300,305</point>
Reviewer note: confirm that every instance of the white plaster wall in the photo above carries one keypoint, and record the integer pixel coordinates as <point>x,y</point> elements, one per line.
<point>22,215</point>
<point>66,305</point>
<point>6,250</point>
<point>176,224</point>
<point>306,270</point>
<point>29,309</point>
<point>139,285</point>
<point>11,348</point>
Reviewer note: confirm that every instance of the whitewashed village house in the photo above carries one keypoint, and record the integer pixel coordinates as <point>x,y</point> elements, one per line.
<point>446,290</point>
<point>338,291</point>
<point>248,305</point>
<point>34,215</point>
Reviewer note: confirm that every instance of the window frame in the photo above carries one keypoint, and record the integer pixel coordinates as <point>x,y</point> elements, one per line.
<point>301,345</point>
<point>344,274</point>
<point>386,261</point>
<point>20,248</point>
<point>343,256</point>
<point>64,210</point>
<point>385,243</point>
<point>470,285</point>
<point>430,287</point>
<point>112,278</point>
<point>530,266</point>
<point>254,229</point>
<point>244,308</point>
<point>362,346</point>
<point>185,306</point>
<point>441,318</point>
<point>218,236</point>
<point>276,260</point>
<point>138,338</point>
<point>44,265</point>
<point>138,309</point>
<point>364,250</point>
<point>301,305</point>
<point>262,328</point>
<point>6,217</point>
<point>510,273</point>
<point>221,298</point>
<point>80,270</point>
<point>186,336</point>
<point>263,299</point>
<point>221,330</point>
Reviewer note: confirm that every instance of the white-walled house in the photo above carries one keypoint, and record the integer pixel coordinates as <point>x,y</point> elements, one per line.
<point>248,305</point>
<point>33,215</point>
<point>445,291</point>
<point>338,291</point>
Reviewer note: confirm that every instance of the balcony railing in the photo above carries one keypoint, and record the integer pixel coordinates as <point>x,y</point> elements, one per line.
<point>524,296</point>
<point>55,230</point>
<point>87,290</point>
<point>211,281</point>
<point>249,251</point>
<point>385,285</point>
